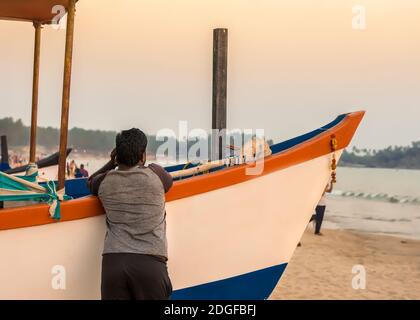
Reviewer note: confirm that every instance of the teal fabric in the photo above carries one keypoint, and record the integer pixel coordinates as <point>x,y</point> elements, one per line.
<point>7,183</point>
<point>31,178</point>
<point>50,196</point>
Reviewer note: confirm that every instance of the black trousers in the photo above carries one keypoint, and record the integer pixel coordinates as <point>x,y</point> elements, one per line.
<point>319,216</point>
<point>128,276</point>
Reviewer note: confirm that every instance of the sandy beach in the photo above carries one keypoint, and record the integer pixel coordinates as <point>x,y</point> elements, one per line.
<point>322,267</point>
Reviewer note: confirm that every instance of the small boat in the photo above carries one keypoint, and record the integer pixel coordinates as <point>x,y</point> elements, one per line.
<point>48,165</point>
<point>230,234</point>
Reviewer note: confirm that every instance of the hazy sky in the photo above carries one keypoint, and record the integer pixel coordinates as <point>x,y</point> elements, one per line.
<point>293,66</point>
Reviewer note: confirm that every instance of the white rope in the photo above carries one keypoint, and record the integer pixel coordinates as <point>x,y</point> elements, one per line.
<point>251,152</point>
<point>31,169</point>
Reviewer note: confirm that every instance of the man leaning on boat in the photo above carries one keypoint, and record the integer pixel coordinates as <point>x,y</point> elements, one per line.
<point>133,196</point>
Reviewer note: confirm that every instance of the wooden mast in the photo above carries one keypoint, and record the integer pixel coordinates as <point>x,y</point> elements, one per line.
<point>66,93</point>
<point>219,118</point>
<point>35,86</point>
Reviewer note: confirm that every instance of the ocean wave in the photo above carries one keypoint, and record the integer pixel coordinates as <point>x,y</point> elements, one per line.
<point>386,220</point>
<point>378,196</point>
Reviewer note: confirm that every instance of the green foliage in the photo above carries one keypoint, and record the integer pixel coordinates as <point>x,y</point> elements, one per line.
<point>103,141</point>
<point>91,140</point>
<point>18,135</point>
<point>391,157</point>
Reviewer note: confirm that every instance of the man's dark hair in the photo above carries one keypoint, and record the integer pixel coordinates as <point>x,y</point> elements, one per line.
<point>82,166</point>
<point>130,146</point>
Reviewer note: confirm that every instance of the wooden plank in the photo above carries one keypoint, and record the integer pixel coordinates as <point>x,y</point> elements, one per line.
<point>35,89</point>
<point>30,10</point>
<point>66,93</point>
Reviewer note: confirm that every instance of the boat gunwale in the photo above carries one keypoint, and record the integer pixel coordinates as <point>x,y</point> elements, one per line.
<point>90,206</point>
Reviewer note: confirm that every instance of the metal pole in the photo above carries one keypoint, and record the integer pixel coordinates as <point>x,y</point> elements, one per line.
<point>35,86</point>
<point>219,118</point>
<point>66,93</point>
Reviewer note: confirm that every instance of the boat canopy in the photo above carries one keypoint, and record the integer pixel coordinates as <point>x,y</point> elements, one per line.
<point>40,11</point>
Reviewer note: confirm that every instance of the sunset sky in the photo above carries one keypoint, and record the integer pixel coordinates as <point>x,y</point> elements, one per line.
<point>293,66</point>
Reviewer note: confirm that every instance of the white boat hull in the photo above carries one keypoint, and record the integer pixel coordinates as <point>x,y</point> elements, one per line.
<point>214,237</point>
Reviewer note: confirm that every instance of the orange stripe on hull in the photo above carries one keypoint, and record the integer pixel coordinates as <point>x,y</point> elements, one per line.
<point>90,206</point>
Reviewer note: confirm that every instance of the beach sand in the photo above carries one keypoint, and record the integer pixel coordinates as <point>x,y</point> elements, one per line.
<point>322,267</point>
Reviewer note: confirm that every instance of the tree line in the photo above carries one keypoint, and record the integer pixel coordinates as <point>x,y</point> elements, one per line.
<point>18,135</point>
<point>407,157</point>
<point>81,139</point>
<point>103,141</point>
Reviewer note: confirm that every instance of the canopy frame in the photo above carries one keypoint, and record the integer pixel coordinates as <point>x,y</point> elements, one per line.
<point>35,91</point>
<point>68,59</point>
<point>40,13</point>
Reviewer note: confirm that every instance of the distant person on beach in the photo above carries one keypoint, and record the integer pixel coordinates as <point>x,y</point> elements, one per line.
<point>320,209</point>
<point>134,261</point>
<point>72,169</point>
<point>83,171</point>
<point>77,173</point>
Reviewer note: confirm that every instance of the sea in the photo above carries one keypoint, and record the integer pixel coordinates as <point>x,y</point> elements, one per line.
<point>371,200</point>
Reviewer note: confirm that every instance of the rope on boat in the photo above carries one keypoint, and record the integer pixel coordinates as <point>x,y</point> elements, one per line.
<point>252,151</point>
<point>334,145</point>
<point>23,188</point>
<point>54,201</point>
<point>31,170</point>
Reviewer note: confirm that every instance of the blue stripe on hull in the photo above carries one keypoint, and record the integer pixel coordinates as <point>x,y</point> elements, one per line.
<point>279,147</point>
<point>256,285</point>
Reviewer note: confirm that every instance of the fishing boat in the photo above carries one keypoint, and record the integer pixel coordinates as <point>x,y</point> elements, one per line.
<point>49,166</point>
<point>231,234</point>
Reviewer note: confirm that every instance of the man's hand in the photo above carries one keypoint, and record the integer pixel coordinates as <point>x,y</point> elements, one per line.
<point>112,163</point>
<point>113,156</point>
